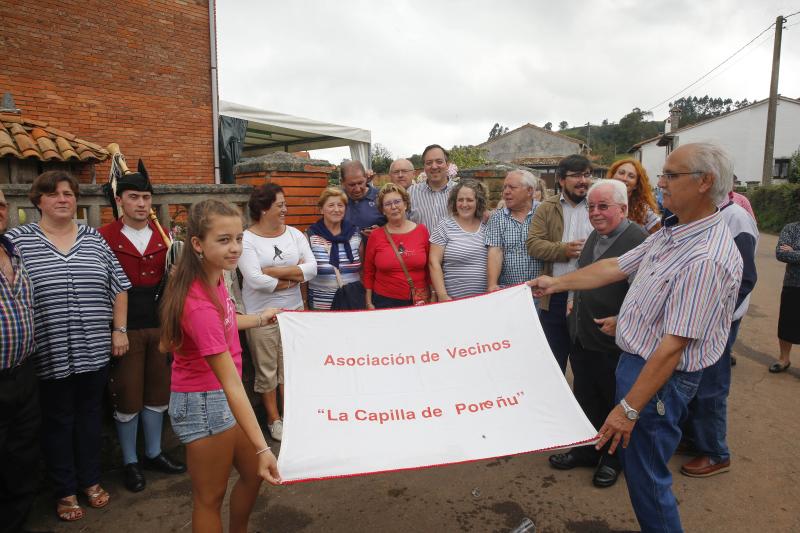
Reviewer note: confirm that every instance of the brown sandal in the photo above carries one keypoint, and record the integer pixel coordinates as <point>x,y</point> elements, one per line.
<point>68,510</point>
<point>97,496</point>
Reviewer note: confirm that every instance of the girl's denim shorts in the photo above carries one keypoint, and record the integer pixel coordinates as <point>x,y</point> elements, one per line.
<point>195,415</point>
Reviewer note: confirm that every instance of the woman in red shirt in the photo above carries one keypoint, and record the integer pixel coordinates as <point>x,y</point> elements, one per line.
<point>385,281</point>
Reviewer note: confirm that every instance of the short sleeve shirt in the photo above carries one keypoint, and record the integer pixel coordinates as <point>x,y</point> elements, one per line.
<point>205,332</point>
<point>464,260</point>
<point>686,284</point>
<point>506,232</point>
<point>73,295</point>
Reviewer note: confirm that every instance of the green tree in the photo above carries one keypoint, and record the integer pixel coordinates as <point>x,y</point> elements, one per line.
<point>548,126</point>
<point>497,130</point>
<point>381,159</point>
<point>563,125</point>
<point>468,156</point>
<point>694,109</point>
<point>794,167</point>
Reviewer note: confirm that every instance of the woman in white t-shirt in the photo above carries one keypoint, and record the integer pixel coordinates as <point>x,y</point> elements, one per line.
<point>275,259</point>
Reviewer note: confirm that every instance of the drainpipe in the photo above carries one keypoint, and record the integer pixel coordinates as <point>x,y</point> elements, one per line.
<point>212,27</point>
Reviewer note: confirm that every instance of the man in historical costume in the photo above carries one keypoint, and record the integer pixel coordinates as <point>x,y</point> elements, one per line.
<point>140,380</point>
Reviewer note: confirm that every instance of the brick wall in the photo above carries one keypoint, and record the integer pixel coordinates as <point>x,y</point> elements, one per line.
<point>136,73</point>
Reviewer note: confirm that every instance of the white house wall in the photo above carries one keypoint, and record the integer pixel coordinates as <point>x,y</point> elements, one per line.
<point>742,134</point>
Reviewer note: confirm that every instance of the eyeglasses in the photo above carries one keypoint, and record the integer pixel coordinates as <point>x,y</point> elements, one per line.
<point>400,172</point>
<point>600,207</point>
<point>669,176</point>
<point>586,175</point>
<point>392,203</point>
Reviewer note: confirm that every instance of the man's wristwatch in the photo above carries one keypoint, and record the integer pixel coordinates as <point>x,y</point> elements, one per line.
<point>630,412</point>
<point>121,329</point>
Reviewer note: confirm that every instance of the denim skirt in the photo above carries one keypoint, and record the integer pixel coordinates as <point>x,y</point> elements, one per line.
<point>195,415</point>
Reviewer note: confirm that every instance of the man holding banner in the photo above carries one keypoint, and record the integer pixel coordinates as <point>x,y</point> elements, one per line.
<point>673,323</point>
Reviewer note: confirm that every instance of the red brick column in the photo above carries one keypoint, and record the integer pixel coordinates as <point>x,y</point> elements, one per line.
<point>302,181</point>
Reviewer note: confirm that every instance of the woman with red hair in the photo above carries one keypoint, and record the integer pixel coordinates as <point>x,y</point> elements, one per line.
<point>642,206</point>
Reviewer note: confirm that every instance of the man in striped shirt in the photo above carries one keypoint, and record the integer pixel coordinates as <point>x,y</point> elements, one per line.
<point>429,198</point>
<point>674,322</point>
<point>19,399</point>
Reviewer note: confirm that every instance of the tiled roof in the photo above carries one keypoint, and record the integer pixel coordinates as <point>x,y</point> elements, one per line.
<point>26,138</point>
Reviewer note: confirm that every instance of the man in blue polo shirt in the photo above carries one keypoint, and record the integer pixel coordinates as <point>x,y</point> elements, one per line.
<point>362,210</point>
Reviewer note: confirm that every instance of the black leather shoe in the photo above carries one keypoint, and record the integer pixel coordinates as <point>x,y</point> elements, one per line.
<point>134,479</point>
<point>162,463</point>
<point>569,460</point>
<point>604,476</point>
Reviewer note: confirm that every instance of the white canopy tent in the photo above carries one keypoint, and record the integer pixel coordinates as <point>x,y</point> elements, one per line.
<point>268,131</point>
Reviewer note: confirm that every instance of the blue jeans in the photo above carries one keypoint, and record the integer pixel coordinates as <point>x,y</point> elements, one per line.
<point>653,441</point>
<point>554,324</point>
<point>707,425</point>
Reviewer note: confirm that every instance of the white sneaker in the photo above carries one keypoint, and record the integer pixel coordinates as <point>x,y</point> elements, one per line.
<point>276,429</point>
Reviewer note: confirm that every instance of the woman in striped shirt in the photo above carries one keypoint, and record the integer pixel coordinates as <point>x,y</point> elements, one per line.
<point>335,244</point>
<point>79,289</point>
<point>457,259</point>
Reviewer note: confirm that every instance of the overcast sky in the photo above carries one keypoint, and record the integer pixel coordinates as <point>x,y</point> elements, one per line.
<point>422,72</point>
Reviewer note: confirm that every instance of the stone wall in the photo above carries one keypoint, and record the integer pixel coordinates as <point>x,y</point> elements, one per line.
<point>529,142</point>
<point>492,175</point>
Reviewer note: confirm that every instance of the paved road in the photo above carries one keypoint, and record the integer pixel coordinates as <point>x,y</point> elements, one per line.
<point>760,493</point>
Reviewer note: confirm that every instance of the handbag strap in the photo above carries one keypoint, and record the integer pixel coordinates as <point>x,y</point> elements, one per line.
<point>399,258</point>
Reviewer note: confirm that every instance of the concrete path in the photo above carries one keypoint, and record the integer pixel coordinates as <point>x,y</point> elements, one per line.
<point>761,493</point>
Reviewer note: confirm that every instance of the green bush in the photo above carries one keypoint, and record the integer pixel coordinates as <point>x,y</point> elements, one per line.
<point>775,206</point>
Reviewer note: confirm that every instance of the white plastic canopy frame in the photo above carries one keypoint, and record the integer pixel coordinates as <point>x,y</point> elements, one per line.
<point>270,131</point>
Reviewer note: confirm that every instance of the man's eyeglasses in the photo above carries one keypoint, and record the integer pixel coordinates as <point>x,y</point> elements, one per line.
<point>576,175</point>
<point>392,203</point>
<point>669,176</point>
<point>401,172</point>
<point>600,207</point>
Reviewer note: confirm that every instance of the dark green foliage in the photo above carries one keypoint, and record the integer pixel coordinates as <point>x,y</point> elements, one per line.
<point>497,130</point>
<point>775,206</point>
<point>694,109</point>
<point>612,141</point>
<point>548,126</point>
<point>563,125</point>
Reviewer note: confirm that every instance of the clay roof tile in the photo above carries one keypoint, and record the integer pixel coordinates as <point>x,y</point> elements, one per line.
<point>23,138</point>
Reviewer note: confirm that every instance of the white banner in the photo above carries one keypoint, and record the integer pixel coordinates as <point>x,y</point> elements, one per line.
<point>395,389</point>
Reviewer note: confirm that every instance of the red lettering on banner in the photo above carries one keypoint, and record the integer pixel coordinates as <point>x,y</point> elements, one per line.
<point>487,405</point>
<point>478,348</point>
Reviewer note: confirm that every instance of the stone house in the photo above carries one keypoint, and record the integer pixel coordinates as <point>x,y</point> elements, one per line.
<point>535,148</point>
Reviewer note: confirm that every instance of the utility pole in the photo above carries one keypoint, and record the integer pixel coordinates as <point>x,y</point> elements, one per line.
<point>588,135</point>
<point>772,109</point>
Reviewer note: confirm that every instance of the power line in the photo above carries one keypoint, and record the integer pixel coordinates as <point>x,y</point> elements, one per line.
<point>793,14</point>
<point>712,70</point>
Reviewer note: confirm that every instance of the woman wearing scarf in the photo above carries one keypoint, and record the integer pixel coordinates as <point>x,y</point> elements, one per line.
<point>335,244</point>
